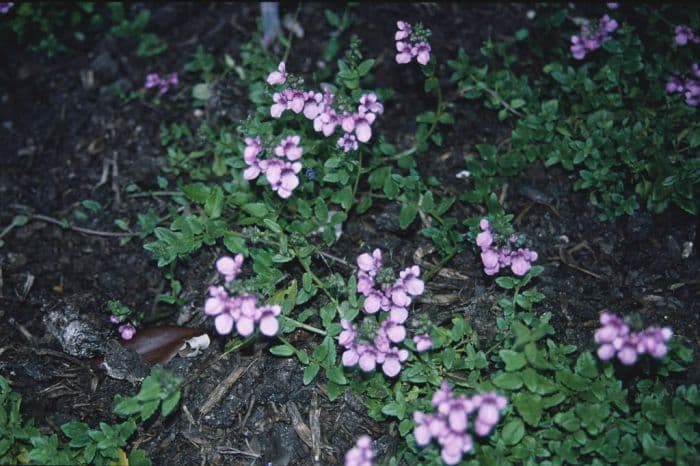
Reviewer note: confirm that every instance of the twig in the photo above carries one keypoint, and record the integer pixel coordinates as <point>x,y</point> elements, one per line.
<point>334,258</point>
<point>236,451</point>
<point>155,194</point>
<point>86,231</point>
<point>220,390</point>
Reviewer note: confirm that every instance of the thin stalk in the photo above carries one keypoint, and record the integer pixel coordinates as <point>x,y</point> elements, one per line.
<point>315,278</point>
<point>310,328</point>
<point>291,35</point>
<point>438,112</point>
<point>440,265</point>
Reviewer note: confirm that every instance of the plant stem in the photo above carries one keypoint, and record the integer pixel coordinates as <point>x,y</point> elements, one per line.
<point>440,265</point>
<point>438,112</point>
<point>291,35</point>
<point>356,184</point>
<point>502,102</point>
<point>310,328</point>
<point>315,278</point>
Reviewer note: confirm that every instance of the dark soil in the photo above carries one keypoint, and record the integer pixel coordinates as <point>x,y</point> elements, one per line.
<point>61,133</point>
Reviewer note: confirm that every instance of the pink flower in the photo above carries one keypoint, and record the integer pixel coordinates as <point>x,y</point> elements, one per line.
<point>423,343</point>
<point>347,337</point>
<point>269,326</point>
<point>279,76</point>
<point>450,423</point>
<point>347,142</point>
<point>422,52</point>
<point>152,80</point>
<point>5,7</point>
<point>282,176</point>
<point>173,79</point>
<point>404,30</point>
<point>279,106</point>
<point>361,454</point>
<point>612,5</point>
<point>405,52</point>
<point>363,128</point>
<point>229,267</point>
<point>484,239</point>
<point>370,263</point>
<point>414,285</point>
<point>289,147</point>
<point>392,361</point>
<point>683,35</point>
<point>127,331</point>
<point>114,319</point>
<point>370,103</point>
<point>312,104</point>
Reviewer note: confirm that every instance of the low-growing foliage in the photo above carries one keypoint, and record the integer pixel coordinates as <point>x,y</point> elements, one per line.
<point>22,443</point>
<point>608,117</point>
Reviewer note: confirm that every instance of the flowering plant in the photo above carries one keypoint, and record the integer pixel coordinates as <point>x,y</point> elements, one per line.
<point>373,342</point>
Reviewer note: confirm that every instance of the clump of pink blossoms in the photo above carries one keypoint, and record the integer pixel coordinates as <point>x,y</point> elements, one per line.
<point>361,454</point>
<point>689,87</point>
<point>126,331</point>
<point>318,107</point>
<point>615,339</point>
<point>449,424</point>
<point>591,39</point>
<point>280,171</point>
<point>375,343</point>
<point>684,35</point>
<point>411,44</point>
<point>163,84</point>
<point>241,310</point>
<point>495,258</point>
<point>5,7</point>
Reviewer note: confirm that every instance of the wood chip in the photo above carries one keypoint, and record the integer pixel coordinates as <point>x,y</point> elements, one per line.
<point>300,427</point>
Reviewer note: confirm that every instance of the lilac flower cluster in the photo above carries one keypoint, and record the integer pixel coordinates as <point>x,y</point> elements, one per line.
<point>684,35</point>
<point>393,299</point>
<point>590,39</point>
<point>495,258</point>
<point>449,424</point>
<point>410,45</point>
<point>5,7</point>
<point>318,107</point>
<point>361,454</point>
<point>126,331</point>
<point>280,171</point>
<point>689,87</point>
<point>613,5</point>
<point>614,338</point>
<point>241,310</point>
<point>163,84</point>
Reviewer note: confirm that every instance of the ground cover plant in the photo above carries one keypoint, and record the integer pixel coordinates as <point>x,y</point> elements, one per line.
<point>405,243</point>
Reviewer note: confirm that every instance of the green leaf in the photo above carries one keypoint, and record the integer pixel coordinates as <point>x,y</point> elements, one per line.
<point>507,283</point>
<point>310,372</point>
<point>508,380</point>
<point>586,366</point>
<point>282,350</point>
<point>214,203</point>
<point>530,407</point>
<point>407,215</point>
<point>170,402</point>
<point>365,67</point>
<point>333,390</point>
<point>335,374</point>
<point>138,457</point>
<point>201,91</point>
<point>513,432</point>
<point>256,209</point>
<point>512,359</point>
